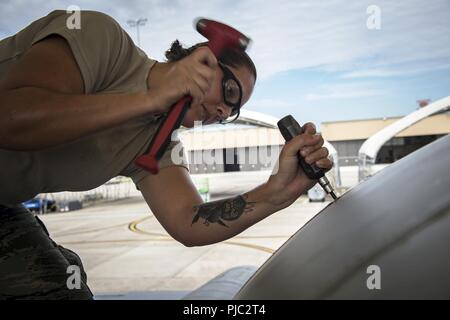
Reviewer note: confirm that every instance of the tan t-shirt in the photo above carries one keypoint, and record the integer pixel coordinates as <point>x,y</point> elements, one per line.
<point>109,63</point>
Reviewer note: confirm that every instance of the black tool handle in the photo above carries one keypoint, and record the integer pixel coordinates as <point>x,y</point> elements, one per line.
<point>290,128</point>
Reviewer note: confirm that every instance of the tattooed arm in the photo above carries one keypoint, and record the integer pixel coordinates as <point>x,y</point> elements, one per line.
<point>225,209</point>
<point>177,205</point>
<point>188,220</point>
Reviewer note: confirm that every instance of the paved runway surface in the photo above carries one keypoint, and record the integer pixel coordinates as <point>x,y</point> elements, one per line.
<point>126,251</point>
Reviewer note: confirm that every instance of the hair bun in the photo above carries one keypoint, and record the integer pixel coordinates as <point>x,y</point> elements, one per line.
<point>176,52</point>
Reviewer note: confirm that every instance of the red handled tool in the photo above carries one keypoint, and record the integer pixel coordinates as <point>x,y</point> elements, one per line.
<point>220,37</point>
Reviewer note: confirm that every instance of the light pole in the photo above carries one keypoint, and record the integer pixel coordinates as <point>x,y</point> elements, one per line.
<point>136,24</point>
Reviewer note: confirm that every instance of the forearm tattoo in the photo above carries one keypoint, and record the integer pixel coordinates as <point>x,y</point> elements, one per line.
<point>225,209</point>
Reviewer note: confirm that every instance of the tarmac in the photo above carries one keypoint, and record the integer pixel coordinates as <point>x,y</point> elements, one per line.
<point>128,255</point>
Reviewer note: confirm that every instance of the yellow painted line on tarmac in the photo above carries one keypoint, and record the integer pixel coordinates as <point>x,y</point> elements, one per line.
<point>117,241</point>
<point>251,246</point>
<point>103,241</point>
<point>133,227</point>
<point>63,234</point>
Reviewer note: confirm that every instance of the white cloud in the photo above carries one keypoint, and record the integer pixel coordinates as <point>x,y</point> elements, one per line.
<point>287,34</point>
<point>269,103</point>
<point>344,91</point>
<point>395,71</point>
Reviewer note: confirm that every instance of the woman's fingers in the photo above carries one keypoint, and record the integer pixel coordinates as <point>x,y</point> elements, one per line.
<point>317,155</point>
<point>324,163</point>
<point>202,78</point>
<point>204,55</point>
<point>309,128</point>
<point>305,151</point>
<point>299,142</point>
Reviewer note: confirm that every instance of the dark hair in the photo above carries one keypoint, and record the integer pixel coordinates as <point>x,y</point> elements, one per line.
<point>231,57</point>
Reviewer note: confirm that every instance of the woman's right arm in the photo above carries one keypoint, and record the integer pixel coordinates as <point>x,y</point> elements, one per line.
<point>42,102</point>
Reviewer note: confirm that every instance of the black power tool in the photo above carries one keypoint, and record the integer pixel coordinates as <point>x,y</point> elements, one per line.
<point>290,128</point>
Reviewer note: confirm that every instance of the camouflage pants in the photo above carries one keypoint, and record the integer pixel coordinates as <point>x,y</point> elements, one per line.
<point>33,266</point>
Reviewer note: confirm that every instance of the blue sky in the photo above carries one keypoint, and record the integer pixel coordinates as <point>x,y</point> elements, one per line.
<point>316,60</point>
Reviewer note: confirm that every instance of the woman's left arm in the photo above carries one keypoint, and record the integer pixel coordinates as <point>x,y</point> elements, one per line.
<point>176,204</point>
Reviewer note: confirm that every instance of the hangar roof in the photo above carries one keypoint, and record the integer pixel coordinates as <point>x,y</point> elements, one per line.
<point>363,129</point>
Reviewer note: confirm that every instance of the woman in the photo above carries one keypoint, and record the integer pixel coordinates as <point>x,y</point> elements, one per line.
<point>78,106</point>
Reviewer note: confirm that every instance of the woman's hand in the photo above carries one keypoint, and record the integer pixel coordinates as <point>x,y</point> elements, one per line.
<point>290,182</point>
<point>192,75</point>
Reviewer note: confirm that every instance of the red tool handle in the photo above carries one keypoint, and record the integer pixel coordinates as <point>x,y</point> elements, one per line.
<point>220,37</point>
<point>149,160</point>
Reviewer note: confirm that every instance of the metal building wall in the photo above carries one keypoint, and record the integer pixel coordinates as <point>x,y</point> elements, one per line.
<point>248,158</point>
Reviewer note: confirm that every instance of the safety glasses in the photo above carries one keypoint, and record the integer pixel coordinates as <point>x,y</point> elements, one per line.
<point>231,93</point>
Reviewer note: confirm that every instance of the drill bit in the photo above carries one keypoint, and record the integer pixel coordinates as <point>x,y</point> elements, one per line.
<point>327,187</point>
